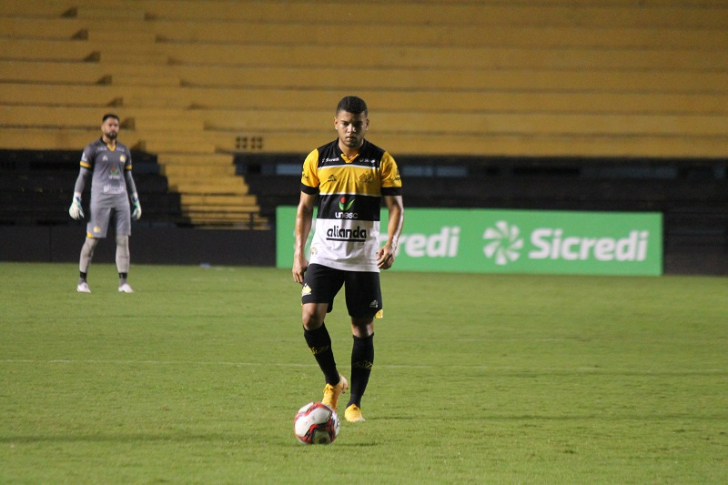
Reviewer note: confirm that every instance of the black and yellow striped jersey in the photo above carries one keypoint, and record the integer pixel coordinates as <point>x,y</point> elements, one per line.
<point>349,200</point>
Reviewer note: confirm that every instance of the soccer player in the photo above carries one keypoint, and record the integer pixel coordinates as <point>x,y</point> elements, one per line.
<point>349,176</point>
<point>108,162</point>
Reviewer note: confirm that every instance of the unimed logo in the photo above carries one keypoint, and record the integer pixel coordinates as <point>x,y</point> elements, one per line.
<point>505,245</point>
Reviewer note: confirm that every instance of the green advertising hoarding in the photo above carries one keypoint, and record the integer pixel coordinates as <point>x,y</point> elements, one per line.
<point>515,241</point>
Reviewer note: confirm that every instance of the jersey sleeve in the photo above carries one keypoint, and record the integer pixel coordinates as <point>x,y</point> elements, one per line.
<point>87,157</point>
<point>127,162</point>
<point>391,181</point>
<point>309,177</point>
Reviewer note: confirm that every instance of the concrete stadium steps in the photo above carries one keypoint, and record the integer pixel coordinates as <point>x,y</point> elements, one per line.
<point>487,13</point>
<point>538,78</point>
<point>210,191</point>
<point>439,57</point>
<point>486,144</point>
<point>213,199</point>
<point>292,33</point>
<point>122,97</point>
<point>199,125</point>
<point>469,81</point>
<point>430,57</point>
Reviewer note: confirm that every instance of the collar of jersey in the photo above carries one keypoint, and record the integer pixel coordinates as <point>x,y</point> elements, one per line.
<point>349,160</point>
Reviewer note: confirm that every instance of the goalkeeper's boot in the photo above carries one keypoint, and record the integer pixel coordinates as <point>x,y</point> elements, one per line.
<point>125,288</point>
<point>83,287</point>
<point>332,393</point>
<point>353,414</point>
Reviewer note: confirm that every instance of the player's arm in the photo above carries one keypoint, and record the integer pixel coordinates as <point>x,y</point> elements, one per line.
<point>136,207</point>
<point>76,211</point>
<point>386,254</point>
<point>304,218</point>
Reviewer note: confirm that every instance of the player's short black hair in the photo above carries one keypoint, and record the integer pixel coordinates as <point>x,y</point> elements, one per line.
<point>352,104</point>
<point>109,115</point>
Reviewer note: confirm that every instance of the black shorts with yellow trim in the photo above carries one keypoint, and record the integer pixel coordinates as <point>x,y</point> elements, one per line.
<point>363,292</point>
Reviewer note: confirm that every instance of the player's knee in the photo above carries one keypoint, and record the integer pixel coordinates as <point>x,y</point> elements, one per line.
<point>310,318</point>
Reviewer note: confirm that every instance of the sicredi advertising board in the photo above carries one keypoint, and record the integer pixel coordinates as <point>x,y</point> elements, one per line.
<point>515,241</point>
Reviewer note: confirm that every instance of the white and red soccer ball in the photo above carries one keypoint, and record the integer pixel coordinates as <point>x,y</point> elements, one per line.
<point>316,424</point>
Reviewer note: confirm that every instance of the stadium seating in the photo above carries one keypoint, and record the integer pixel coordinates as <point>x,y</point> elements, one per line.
<point>198,81</point>
<point>36,187</point>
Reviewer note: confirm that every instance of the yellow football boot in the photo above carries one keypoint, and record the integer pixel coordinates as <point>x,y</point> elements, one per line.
<point>353,414</point>
<point>332,393</point>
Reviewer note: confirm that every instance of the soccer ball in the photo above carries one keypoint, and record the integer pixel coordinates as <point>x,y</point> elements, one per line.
<point>316,424</point>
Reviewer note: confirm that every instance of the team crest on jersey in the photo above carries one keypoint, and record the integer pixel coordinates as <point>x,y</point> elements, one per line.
<point>122,158</point>
<point>105,159</point>
<point>366,178</point>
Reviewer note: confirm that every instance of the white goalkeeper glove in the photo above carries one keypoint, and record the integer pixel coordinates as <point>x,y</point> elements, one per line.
<point>137,207</point>
<point>76,211</point>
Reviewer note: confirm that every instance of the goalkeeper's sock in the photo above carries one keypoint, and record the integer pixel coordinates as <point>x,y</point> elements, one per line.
<point>319,342</point>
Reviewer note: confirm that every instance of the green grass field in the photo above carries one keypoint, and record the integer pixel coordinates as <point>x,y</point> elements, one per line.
<point>196,377</point>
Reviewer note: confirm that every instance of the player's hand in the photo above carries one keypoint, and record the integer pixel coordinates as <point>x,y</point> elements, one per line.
<point>136,208</point>
<point>300,265</point>
<point>76,211</point>
<point>385,257</point>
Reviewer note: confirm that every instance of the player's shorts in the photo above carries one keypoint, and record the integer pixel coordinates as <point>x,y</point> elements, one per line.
<point>363,291</point>
<point>116,211</point>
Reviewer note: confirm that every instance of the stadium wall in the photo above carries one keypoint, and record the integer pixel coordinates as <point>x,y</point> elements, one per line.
<point>189,246</point>
<point>62,244</point>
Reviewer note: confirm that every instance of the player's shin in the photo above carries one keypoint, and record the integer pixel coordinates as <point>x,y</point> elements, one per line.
<point>319,342</point>
<point>362,360</point>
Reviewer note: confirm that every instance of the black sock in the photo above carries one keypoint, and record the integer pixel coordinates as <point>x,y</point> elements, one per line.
<point>83,275</point>
<point>319,342</point>
<point>362,360</point>
<point>122,276</point>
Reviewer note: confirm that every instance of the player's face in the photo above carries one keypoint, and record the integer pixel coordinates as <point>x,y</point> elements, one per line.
<point>110,128</point>
<point>351,128</point>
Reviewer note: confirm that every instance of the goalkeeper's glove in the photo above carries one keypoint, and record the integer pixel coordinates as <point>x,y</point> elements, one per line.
<point>76,211</point>
<point>136,206</point>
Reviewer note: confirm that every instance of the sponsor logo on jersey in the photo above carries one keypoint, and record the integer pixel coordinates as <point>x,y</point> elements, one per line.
<point>345,206</point>
<point>336,233</point>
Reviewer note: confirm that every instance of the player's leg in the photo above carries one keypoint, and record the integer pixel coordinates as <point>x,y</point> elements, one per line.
<point>87,255</point>
<point>320,286</point>
<point>362,360</point>
<point>96,229</point>
<point>122,215</point>
<point>364,301</point>
<point>122,263</point>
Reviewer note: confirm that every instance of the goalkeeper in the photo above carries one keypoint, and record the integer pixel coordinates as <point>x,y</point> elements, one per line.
<point>108,163</point>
